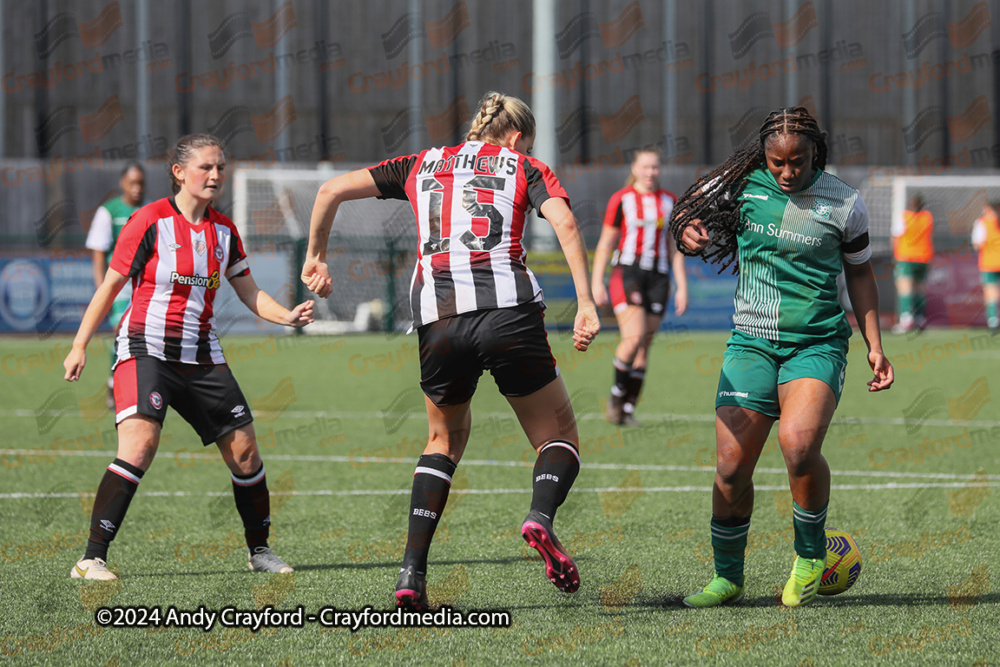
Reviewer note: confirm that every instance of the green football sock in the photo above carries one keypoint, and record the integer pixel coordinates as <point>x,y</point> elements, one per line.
<point>991,312</point>
<point>729,543</point>
<point>810,536</point>
<point>905,305</point>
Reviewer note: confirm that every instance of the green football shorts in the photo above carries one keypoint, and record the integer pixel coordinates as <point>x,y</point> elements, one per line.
<point>915,270</point>
<point>989,277</point>
<point>752,369</point>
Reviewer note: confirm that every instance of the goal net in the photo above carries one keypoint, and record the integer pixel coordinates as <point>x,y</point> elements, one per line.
<point>371,252</point>
<point>954,296</point>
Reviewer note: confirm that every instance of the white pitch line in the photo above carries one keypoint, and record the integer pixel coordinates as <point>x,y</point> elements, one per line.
<point>497,492</point>
<point>361,462</point>
<point>583,416</point>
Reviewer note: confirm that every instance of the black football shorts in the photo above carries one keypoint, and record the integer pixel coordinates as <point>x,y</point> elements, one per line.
<point>632,286</point>
<point>509,342</point>
<point>207,397</point>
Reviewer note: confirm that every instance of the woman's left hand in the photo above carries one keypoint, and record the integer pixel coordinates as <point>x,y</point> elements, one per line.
<point>301,315</point>
<point>883,372</point>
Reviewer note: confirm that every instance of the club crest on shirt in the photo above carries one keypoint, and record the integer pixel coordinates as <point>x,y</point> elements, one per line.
<point>218,253</point>
<point>198,243</point>
<point>822,209</point>
<point>156,400</point>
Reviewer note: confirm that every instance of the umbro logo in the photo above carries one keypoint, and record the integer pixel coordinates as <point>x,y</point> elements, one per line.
<point>238,411</point>
<point>174,246</point>
<point>107,525</point>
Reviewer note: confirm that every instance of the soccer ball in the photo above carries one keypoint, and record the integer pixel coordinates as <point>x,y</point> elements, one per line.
<point>843,563</point>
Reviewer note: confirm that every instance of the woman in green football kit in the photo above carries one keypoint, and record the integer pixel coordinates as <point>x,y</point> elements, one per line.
<point>792,228</point>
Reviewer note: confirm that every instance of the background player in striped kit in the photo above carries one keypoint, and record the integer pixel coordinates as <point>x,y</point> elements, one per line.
<point>794,228</point>
<point>640,280</point>
<point>109,219</point>
<point>174,251</point>
<point>913,250</point>
<point>986,240</point>
<point>476,306</point>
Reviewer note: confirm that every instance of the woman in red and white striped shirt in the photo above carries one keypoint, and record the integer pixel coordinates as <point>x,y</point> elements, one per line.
<point>637,219</point>
<point>175,251</point>
<point>477,306</point>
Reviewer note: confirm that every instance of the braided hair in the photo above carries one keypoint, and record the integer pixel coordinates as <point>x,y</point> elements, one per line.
<point>715,198</point>
<point>499,115</point>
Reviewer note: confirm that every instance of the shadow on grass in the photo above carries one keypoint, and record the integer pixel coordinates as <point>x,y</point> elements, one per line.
<point>318,567</point>
<point>675,601</point>
<point>395,564</point>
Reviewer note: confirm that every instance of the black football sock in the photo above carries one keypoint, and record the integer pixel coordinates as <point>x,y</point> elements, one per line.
<point>113,497</point>
<point>633,387</point>
<point>622,371</point>
<point>254,505</point>
<point>431,484</point>
<point>555,471</point>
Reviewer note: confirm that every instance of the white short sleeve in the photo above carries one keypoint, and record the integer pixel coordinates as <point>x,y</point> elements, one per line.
<point>99,236</point>
<point>856,226</point>
<point>899,225</point>
<point>979,232</point>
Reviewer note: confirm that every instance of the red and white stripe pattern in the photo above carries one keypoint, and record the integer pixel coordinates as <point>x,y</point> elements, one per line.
<point>470,203</point>
<point>642,219</point>
<point>126,388</point>
<point>122,472</point>
<point>176,268</point>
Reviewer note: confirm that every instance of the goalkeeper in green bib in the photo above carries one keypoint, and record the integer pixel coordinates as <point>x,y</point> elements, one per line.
<point>791,228</point>
<point>107,224</point>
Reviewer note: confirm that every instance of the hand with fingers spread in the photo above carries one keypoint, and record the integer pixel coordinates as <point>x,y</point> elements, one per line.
<point>301,315</point>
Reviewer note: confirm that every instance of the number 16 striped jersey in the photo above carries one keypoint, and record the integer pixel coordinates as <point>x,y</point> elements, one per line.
<point>470,203</point>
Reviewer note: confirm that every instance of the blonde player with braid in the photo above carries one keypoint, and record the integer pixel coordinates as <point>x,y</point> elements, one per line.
<point>634,240</point>
<point>793,228</point>
<point>477,307</point>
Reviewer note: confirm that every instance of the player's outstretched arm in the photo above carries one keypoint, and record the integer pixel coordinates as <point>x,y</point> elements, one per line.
<point>587,323</point>
<point>96,312</point>
<point>354,185</point>
<point>863,293</point>
<point>263,306</point>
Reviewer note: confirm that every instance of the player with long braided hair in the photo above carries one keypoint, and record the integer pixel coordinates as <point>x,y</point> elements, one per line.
<point>476,306</point>
<point>792,228</point>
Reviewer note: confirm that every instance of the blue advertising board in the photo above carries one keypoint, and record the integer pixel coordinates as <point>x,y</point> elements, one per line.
<point>45,295</point>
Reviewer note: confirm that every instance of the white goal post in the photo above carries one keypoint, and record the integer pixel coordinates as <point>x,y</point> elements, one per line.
<point>956,200</point>
<point>371,251</point>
